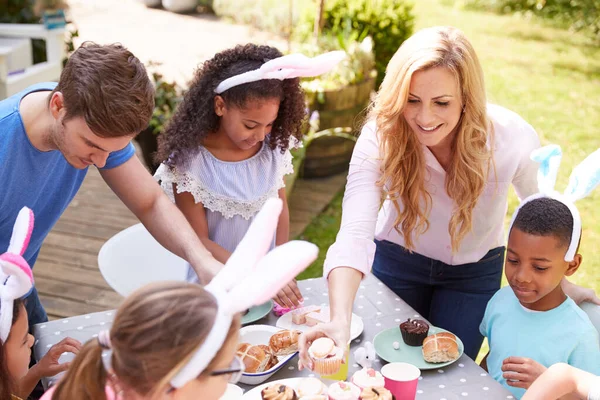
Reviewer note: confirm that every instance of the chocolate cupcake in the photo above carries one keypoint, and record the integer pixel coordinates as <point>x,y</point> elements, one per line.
<point>278,392</point>
<point>414,331</point>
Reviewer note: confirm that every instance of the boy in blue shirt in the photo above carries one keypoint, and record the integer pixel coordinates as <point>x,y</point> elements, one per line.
<point>531,324</point>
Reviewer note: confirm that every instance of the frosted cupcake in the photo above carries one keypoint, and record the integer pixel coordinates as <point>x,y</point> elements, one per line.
<point>367,377</point>
<point>311,389</point>
<point>343,391</point>
<point>278,392</point>
<point>326,356</point>
<point>376,393</point>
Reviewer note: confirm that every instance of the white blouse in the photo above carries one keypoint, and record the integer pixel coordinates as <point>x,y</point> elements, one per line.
<point>363,219</point>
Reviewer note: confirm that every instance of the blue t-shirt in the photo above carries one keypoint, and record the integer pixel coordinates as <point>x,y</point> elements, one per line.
<point>564,334</point>
<point>42,181</point>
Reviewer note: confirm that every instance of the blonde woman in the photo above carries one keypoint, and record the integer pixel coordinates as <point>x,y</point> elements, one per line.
<point>442,159</point>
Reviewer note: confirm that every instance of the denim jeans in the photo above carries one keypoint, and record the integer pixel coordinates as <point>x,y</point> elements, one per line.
<point>35,310</point>
<point>452,297</point>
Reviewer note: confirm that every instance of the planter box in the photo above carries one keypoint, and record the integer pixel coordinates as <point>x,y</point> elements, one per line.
<point>345,107</point>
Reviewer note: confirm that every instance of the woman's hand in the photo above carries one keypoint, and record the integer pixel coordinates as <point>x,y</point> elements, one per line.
<point>521,372</point>
<point>579,294</point>
<point>338,331</point>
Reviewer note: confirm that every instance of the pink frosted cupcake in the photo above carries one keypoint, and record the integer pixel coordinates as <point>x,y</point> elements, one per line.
<point>326,356</point>
<point>343,391</point>
<point>311,389</point>
<point>368,377</point>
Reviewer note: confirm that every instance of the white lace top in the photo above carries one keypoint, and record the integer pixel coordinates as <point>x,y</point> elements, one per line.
<point>231,192</point>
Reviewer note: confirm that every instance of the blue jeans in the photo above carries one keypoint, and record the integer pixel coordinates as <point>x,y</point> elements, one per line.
<point>35,310</point>
<point>452,297</point>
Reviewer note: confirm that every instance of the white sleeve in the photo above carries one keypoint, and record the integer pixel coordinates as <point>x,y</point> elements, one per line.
<point>594,393</point>
<point>525,179</point>
<point>354,246</point>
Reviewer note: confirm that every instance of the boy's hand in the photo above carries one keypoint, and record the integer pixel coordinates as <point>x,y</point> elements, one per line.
<point>289,296</point>
<point>49,366</point>
<point>521,372</point>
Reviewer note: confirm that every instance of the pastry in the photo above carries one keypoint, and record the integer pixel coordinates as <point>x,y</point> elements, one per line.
<point>367,377</point>
<point>343,391</point>
<point>441,347</point>
<point>376,393</point>
<point>284,342</point>
<point>299,314</point>
<point>273,361</point>
<point>311,389</point>
<point>326,356</point>
<point>278,392</point>
<point>316,318</point>
<point>414,331</point>
<point>255,359</point>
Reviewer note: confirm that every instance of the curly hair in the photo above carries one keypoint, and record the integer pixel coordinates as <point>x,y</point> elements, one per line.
<point>195,117</point>
<point>403,161</point>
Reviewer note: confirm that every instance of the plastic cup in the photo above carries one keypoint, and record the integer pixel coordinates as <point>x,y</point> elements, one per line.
<point>342,373</point>
<point>401,379</point>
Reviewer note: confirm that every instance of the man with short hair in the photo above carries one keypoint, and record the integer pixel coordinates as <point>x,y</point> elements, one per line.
<point>51,133</point>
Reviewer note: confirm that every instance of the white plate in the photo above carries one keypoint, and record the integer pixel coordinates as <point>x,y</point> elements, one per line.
<point>254,394</point>
<point>356,326</point>
<point>260,334</point>
<point>233,392</point>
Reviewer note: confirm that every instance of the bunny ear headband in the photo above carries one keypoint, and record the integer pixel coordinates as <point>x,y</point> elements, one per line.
<point>249,278</point>
<point>584,178</point>
<point>285,67</point>
<point>16,278</point>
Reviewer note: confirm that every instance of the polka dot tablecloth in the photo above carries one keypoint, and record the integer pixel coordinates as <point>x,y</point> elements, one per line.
<point>380,309</point>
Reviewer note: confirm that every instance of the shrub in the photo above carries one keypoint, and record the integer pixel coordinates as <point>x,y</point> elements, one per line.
<point>578,15</point>
<point>388,22</point>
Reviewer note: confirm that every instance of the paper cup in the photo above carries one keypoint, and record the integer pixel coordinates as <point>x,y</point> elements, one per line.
<point>401,379</point>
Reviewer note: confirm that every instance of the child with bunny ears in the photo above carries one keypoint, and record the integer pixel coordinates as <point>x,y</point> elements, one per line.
<point>225,151</point>
<point>16,281</point>
<point>531,324</point>
<point>177,340</point>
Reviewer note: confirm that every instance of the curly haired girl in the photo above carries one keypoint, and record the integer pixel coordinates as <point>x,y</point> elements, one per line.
<point>225,151</point>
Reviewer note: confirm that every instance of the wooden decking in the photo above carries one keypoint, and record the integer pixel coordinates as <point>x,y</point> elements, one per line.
<point>66,272</point>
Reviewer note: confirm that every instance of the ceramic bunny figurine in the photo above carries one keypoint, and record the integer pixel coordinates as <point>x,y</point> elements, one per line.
<point>365,355</point>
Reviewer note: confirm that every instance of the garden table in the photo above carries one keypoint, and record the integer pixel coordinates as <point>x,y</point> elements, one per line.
<point>377,305</point>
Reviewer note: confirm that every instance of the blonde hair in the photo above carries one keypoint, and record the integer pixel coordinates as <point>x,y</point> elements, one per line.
<point>403,161</point>
<point>155,332</point>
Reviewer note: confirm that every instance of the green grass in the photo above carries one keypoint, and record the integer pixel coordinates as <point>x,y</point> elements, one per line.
<point>550,77</point>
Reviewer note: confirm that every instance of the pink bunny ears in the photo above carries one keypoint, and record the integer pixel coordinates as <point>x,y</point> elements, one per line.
<point>250,277</point>
<point>16,278</point>
<point>290,66</point>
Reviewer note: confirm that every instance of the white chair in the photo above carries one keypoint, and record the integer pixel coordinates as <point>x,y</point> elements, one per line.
<point>133,258</point>
<point>593,311</point>
<point>12,81</point>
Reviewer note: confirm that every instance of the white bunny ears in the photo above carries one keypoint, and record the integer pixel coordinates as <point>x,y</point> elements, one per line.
<point>16,278</point>
<point>584,178</point>
<point>290,66</point>
<point>249,278</point>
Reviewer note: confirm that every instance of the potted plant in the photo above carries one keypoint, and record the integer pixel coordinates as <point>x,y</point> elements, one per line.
<point>340,97</point>
<point>52,12</point>
<point>166,98</point>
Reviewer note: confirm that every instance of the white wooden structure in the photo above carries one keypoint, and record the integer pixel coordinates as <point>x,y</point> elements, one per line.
<point>16,69</point>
